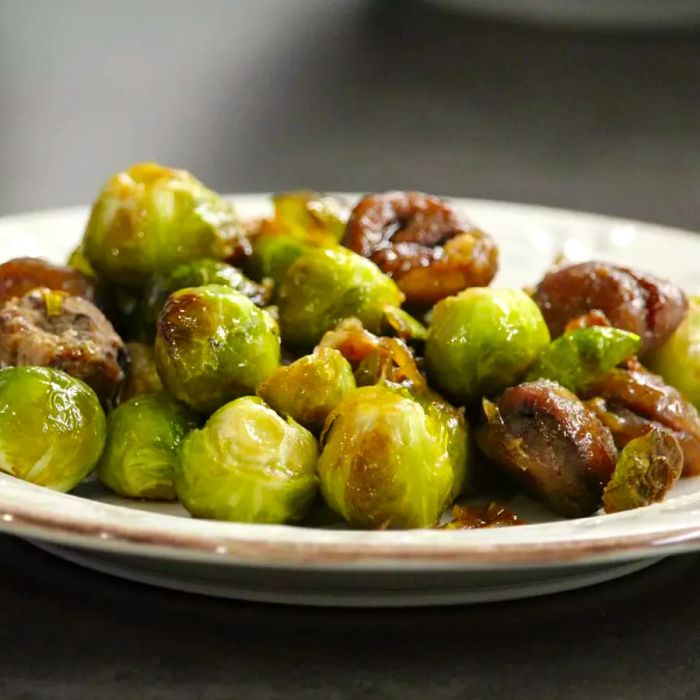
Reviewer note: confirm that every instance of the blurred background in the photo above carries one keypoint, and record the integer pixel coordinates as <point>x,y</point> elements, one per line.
<point>257,95</point>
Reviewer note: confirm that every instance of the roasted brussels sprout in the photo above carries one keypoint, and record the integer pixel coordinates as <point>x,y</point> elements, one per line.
<point>310,388</point>
<point>678,359</point>
<point>53,329</point>
<point>78,261</point>
<point>482,341</point>
<point>272,256</point>
<point>556,447</point>
<point>645,472</point>
<point>142,375</point>
<point>21,275</point>
<point>317,217</point>
<point>385,461</point>
<point>149,219</point>
<point>397,322</point>
<point>213,345</point>
<point>199,273</point>
<point>578,357</point>
<point>248,465</point>
<point>143,440</point>
<point>325,286</point>
<point>52,428</point>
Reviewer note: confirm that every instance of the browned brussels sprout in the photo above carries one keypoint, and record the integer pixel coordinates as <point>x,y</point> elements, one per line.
<point>386,460</point>
<point>150,218</point>
<point>325,286</point>
<point>213,345</point>
<point>309,388</point>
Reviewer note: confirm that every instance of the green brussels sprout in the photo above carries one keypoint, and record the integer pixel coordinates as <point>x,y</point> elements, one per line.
<point>199,273</point>
<point>272,255</point>
<point>385,461</point>
<point>678,359</point>
<point>149,219</point>
<point>483,340</point>
<point>248,465</point>
<point>143,439</point>
<point>646,470</point>
<point>313,215</point>
<point>213,345</point>
<point>324,286</point>
<point>578,357</point>
<point>142,375</point>
<point>310,388</point>
<point>52,427</point>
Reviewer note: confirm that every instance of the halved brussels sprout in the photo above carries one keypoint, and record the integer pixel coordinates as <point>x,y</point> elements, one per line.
<point>646,470</point>
<point>578,357</point>
<point>482,341</point>
<point>385,461</point>
<point>143,440</point>
<point>141,375</point>
<point>324,286</point>
<point>309,388</point>
<point>198,273</point>
<point>52,427</point>
<point>150,218</point>
<point>248,465</point>
<point>213,345</point>
<point>678,359</point>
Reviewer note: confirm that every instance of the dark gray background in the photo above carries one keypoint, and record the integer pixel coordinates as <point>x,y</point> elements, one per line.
<point>264,94</point>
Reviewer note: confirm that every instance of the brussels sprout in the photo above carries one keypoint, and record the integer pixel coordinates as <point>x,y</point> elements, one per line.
<point>483,340</point>
<point>213,345</point>
<point>678,359</point>
<point>325,286</point>
<point>385,461</point>
<point>198,273</point>
<point>310,388</point>
<point>313,215</point>
<point>142,375</point>
<point>52,428</point>
<point>143,439</point>
<point>646,470</point>
<point>578,357</point>
<point>248,465</point>
<point>272,256</point>
<point>150,218</point>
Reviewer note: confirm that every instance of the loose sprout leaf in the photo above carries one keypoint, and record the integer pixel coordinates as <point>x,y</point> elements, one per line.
<point>646,470</point>
<point>581,356</point>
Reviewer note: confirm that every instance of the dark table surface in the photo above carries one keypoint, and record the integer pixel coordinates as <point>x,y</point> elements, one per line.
<point>265,94</point>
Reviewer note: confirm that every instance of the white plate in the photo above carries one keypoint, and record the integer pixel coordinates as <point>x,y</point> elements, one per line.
<point>159,544</point>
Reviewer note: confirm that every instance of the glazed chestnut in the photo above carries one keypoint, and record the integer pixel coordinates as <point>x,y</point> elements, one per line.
<point>20,275</point>
<point>640,303</point>
<point>423,243</point>
<point>551,443</point>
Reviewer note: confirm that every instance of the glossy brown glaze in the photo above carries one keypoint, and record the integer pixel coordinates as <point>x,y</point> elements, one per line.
<point>50,328</point>
<point>588,320</point>
<point>476,517</point>
<point>422,243</point>
<point>642,304</point>
<point>556,447</point>
<point>20,275</point>
<point>631,401</point>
